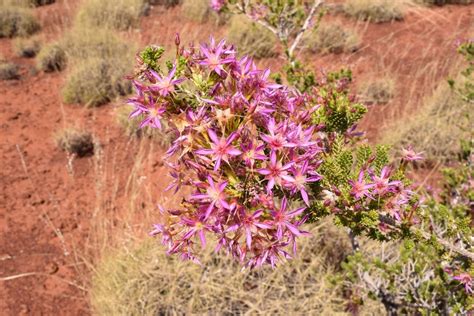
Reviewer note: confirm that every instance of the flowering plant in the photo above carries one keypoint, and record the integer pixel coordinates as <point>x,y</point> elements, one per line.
<point>263,158</point>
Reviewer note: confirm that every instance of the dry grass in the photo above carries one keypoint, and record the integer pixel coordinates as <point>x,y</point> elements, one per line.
<point>75,141</point>
<point>27,3</point>
<point>17,21</point>
<point>51,58</point>
<point>117,14</point>
<point>436,128</point>
<point>378,91</point>
<point>26,47</point>
<point>165,3</point>
<point>9,71</point>
<point>332,38</point>
<point>200,11</point>
<point>142,280</point>
<point>443,2</point>
<point>376,11</point>
<point>250,38</point>
<point>95,82</point>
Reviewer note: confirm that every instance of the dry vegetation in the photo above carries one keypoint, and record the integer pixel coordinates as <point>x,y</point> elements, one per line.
<point>75,141</point>
<point>118,14</point>
<point>200,11</point>
<point>376,11</point>
<point>28,47</point>
<point>443,2</point>
<point>9,71</point>
<point>332,38</point>
<point>378,91</point>
<point>250,38</point>
<point>142,280</point>
<point>51,57</point>
<point>17,21</point>
<point>436,128</point>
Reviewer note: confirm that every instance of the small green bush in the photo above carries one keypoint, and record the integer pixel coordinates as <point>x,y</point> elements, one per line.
<point>251,38</point>
<point>95,82</point>
<point>375,10</point>
<point>28,47</point>
<point>74,141</point>
<point>17,21</point>
<point>378,91</point>
<point>118,14</point>
<point>332,38</point>
<point>9,71</point>
<point>52,58</point>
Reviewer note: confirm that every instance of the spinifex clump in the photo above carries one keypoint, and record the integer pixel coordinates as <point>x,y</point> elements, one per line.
<point>251,151</point>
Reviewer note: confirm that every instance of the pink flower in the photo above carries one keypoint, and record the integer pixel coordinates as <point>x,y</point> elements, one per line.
<point>360,188</point>
<point>221,148</point>
<point>274,171</point>
<point>217,5</point>
<point>383,184</point>
<point>213,57</point>
<point>466,280</point>
<point>249,223</point>
<point>408,154</point>
<point>214,195</point>
<point>300,179</point>
<point>165,85</point>
<point>282,219</point>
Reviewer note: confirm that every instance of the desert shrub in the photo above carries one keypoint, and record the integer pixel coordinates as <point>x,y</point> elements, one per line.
<point>95,82</point>
<point>443,2</point>
<point>131,127</point>
<point>27,3</point>
<point>28,47</point>
<point>375,10</point>
<point>378,91</point>
<point>144,281</point>
<point>9,71</point>
<point>51,58</point>
<point>200,11</point>
<point>332,38</point>
<point>251,38</point>
<point>119,14</point>
<point>74,141</point>
<point>437,128</point>
<point>166,3</point>
<point>17,21</point>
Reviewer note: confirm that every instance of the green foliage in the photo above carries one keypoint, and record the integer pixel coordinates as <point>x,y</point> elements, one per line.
<point>150,57</point>
<point>251,39</point>
<point>51,58</point>
<point>17,21</point>
<point>466,89</point>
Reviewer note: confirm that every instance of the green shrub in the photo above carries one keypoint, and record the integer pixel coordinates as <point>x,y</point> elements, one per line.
<point>95,82</point>
<point>332,38</point>
<point>251,38</point>
<point>17,21</point>
<point>378,91</point>
<point>28,47</point>
<point>375,10</point>
<point>118,14</point>
<point>51,58</point>
<point>9,71</point>
<point>74,141</point>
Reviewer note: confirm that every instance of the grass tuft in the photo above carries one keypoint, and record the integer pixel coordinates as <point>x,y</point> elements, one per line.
<point>332,38</point>
<point>436,128</point>
<point>95,82</point>
<point>118,14</point>
<point>378,91</point>
<point>74,141</point>
<point>51,58</point>
<point>200,11</point>
<point>17,21</point>
<point>26,47</point>
<point>251,38</point>
<point>9,71</point>
<point>376,11</point>
<point>144,281</point>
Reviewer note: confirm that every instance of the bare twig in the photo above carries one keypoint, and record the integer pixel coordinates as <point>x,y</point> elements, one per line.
<point>305,26</point>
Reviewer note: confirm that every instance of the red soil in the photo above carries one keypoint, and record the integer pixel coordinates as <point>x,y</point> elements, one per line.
<point>48,200</point>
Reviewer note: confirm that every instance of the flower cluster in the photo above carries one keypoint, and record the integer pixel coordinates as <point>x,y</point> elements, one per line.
<point>246,146</point>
